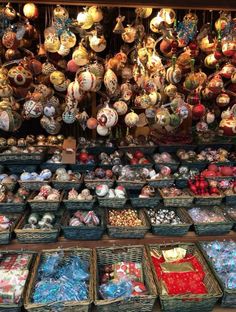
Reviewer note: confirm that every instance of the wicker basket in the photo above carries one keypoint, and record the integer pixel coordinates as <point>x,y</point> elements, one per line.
<point>112,255</point>
<point>131,185</point>
<point>30,236</point>
<point>6,235</point>
<point>200,165</point>
<point>91,184</point>
<point>112,203</point>
<point>10,186</point>
<point>181,183</point>
<point>147,149</point>
<point>172,229</point>
<point>83,232</point>
<point>231,217</point>
<point>33,185</point>
<point>78,204</point>
<point>67,185</point>
<point>230,199</point>
<point>52,166</point>
<point>213,228</point>
<point>173,148</point>
<point>18,169</point>
<point>44,205</point>
<point>188,302</point>
<point>229,295</point>
<point>161,182</point>
<point>21,158</point>
<point>12,207</point>
<point>128,232</point>
<point>138,202</point>
<point>180,201</point>
<point>211,200</point>
<point>17,307</point>
<point>82,168</point>
<point>71,306</point>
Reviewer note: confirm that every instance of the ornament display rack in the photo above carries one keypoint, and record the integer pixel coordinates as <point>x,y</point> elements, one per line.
<point>175,4</point>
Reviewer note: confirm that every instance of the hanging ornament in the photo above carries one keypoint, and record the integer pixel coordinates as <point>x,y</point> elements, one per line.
<point>143,12</point>
<point>74,91</point>
<point>227,70</point>
<point>162,117</point>
<point>156,23</point>
<point>51,125</point>
<point>32,109</point>
<point>20,77</point>
<point>167,15</point>
<point>10,12</point>
<point>103,131</point>
<point>223,100</point>
<point>69,116</point>
<point>80,55</point>
<point>85,20</point>
<point>119,28</point>
<point>110,81</point>
<point>107,117</point>
<point>198,111</point>
<point>57,77</point>
<point>131,119</point>
<point>121,107</point>
<point>129,34</point>
<point>92,123</point>
<point>60,13</point>
<point>96,13</point>
<point>87,81</point>
<point>9,39</point>
<point>216,84</point>
<point>82,119</point>
<point>68,39</point>
<point>10,120</point>
<point>97,44</point>
<point>30,11</point>
<point>170,90</point>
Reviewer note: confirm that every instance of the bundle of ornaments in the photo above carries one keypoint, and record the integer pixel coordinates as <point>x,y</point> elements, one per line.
<point>162,72</point>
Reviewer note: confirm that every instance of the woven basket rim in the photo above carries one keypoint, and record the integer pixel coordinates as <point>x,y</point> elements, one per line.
<point>217,294</point>
<point>215,209</point>
<point>181,212</point>
<point>188,196</point>
<point>147,269</point>
<point>31,200</point>
<point>20,230</point>
<point>67,215</point>
<point>141,214</point>
<point>231,291</point>
<point>27,299</point>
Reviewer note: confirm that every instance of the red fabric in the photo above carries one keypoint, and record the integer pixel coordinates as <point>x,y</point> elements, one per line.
<point>179,283</point>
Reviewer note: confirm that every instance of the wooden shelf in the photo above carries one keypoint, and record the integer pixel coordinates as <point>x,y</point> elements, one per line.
<point>107,242</point>
<point>178,4</point>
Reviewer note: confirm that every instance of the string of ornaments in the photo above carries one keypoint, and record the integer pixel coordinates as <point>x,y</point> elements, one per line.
<point>156,79</point>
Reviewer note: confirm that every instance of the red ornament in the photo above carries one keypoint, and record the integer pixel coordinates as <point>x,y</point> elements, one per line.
<point>138,155</point>
<point>198,111</point>
<point>83,157</point>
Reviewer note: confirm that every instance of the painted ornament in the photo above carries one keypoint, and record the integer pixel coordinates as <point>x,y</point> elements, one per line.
<point>74,91</point>
<point>103,131</point>
<point>80,56</point>
<point>107,117</point>
<point>129,34</point>
<point>96,13</point>
<point>20,77</point>
<point>30,11</point>
<point>85,20</point>
<point>173,74</point>
<point>32,109</point>
<point>60,13</point>
<point>223,99</point>
<point>131,119</point>
<point>110,81</point>
<point>121,107</point>
<point>87,81</point>
<point>97,44</point>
